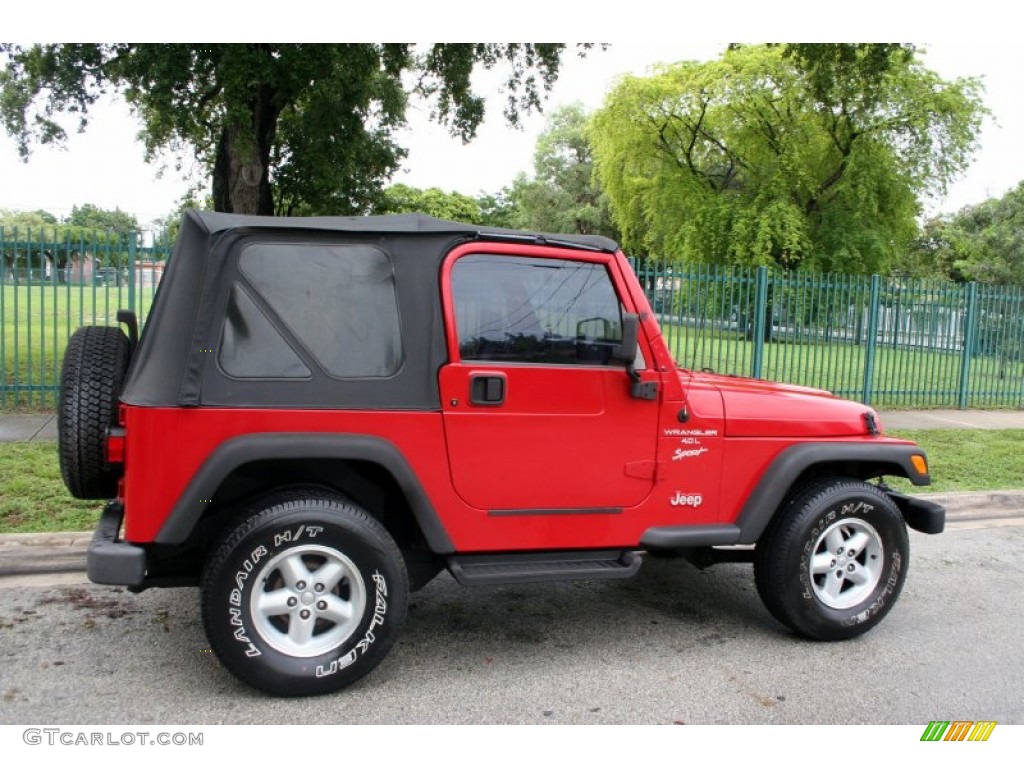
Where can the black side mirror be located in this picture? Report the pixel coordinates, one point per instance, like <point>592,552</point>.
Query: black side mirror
<point>625,352</point>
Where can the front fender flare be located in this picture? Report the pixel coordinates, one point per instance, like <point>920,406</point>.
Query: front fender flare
<point>775,483</point>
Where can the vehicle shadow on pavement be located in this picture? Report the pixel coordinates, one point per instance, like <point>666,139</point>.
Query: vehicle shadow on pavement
<point>667,597</point>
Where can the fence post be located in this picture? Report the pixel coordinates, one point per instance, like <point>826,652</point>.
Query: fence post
<point>3,320</point>
<point>968,348</point>
<point>760,310</point>
<point>872,340</point>
<point>131,270</point>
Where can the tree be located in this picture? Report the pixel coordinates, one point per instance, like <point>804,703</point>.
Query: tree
<point>11,220</point>
<point>846,72</point>
<point>453,206</point>
<point>786,156</point>
<point>89,216</point>
<point>934,252</point>
<point>282,129</point>
<point>563,195</point>
<point>983,242</point>
<point>497,210</point>
<point>25,236</point>
<point>166,228</point>
<point>17,227</point>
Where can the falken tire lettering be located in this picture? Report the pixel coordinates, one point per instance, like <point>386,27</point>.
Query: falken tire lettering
<point>380,608</point>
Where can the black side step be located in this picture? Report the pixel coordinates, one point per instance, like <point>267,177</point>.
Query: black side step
<point>521,568</point>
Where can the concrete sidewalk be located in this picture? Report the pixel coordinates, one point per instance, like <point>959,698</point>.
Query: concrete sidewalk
<point>20,428</point>
<point>25,427</point>
<point>949,419</point>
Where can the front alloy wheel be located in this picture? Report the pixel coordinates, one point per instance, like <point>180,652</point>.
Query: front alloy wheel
<point>846,563</point>
<point>833,561</point>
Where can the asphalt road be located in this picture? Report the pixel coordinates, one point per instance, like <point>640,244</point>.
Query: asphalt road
<point>673,645</point>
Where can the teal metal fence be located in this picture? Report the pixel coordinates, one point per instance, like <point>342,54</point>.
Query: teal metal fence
<point>53,280</point>
<point>890,342</point>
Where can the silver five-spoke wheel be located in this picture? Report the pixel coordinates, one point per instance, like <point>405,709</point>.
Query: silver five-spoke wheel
<point>308,600</point>
<point>305,594</point>
<point>847,563</point>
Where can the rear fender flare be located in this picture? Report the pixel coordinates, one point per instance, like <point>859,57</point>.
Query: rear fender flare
<point>234,453</point>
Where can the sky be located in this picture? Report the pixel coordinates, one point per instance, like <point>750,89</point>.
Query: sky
<point>105,165</point>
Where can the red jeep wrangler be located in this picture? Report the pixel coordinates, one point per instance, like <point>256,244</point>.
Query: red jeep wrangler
<point>322,413</point>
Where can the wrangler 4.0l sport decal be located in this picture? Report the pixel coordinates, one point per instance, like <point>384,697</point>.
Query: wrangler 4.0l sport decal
<point>688,453</point>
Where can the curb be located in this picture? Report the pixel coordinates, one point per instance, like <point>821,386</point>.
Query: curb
<point>23,554</point>
<point>27,554</point>
<point>978,505</point>
<point>970,509</point>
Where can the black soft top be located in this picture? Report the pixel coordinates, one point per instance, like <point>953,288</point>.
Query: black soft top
<point>176,363</point>
<point>397,224</point>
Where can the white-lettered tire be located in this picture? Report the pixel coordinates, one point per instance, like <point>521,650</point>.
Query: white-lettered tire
<point>833,562</point>
<point>304,597</point>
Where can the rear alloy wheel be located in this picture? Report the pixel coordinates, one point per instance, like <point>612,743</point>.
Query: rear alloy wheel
<point>833,562</point>
<point>307,600</point>
<point>92,375</point>
<point>306,596</point>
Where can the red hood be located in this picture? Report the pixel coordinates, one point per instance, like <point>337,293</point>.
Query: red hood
<point>757,408</point>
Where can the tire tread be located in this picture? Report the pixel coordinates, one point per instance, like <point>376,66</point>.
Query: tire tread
<point>92,375</point>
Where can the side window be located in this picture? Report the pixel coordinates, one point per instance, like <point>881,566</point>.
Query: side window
<point>338,301</point>
<point>251,348</point>
<point>531,310</point>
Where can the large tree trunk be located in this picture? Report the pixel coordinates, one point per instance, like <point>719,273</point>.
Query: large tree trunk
<point>241,171</point>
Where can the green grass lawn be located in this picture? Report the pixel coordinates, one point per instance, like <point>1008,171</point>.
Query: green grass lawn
<point>33,497</point>
<point>970,459</point>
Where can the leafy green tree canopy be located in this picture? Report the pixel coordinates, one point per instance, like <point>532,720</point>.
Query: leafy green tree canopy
<point>86,221</point>
<point>89,230</point>
<point>983,242</point>
<point>283,129</point>
<point>563,195</point>
<point>11,220</point>
<point>497,210</point>
<point>453,206</point>
<point>793,156</point>
<point>90,216</point>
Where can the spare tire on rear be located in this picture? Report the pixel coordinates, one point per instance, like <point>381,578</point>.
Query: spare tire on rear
<point>91,378</point>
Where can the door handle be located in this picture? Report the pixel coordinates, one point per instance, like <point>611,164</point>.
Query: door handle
<point>487,389</point>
